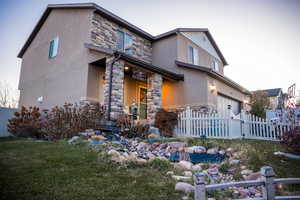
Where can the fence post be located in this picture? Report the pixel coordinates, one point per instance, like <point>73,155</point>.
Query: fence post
<point>188,121</point>
<point>269,188</point>
<point>200,193</point>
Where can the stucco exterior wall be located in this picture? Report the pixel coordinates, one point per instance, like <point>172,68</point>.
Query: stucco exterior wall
<point>104,34</point>
<point>205,59</point>
<point>225,90</point>
<point>62,78</point>
<point>164,53</point>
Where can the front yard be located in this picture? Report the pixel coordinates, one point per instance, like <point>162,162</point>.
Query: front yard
<point>56,170</point>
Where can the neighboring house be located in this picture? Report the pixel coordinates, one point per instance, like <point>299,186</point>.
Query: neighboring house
<point>73,47</point>
<point>277,98</point>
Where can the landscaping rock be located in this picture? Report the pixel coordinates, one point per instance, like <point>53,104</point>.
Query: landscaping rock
<point>185,165</point>
<point>246,172</point>
<point>181,178</point>
<point>196,168</point>
<point>170,173</point>
<point>177,145</point>
<point>195,149</point>
<point>213,150</point>
<point>188,173</point>
<point>222,152</point>
<point>184,187</point>
<point>113,153</point>
<point>253,176</point>
<point>73,139</point>
<point>234,162</point>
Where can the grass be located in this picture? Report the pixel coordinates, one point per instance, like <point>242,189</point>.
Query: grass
<point>46,170</point>
<point>55,170</point>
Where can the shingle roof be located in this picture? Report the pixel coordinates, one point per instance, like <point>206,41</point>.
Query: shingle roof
<point>272,92</point>
<point>115,19</point>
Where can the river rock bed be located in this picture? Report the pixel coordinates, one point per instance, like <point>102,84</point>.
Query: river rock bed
<point>139,151</point>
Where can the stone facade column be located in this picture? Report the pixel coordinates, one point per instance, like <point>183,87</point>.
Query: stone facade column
<point>154,91</point>
<point>117,87</point>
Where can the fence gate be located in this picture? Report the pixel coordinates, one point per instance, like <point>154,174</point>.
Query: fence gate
<point>193,123</point>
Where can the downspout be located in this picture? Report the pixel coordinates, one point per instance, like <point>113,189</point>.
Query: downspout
<point>110,85</point>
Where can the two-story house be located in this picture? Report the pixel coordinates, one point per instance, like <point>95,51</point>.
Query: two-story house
<point>276,97</point>
<point>82,52</point>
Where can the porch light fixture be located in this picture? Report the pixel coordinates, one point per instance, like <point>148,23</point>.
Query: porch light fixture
<point>126,68</point>
<point>212,88</point>
<point>246,101</point>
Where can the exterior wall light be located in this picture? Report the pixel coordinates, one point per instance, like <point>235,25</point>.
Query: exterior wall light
<point>212,88</point>
<point>126,68</point>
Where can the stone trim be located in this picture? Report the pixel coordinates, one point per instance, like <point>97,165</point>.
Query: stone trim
<point>154,94</point>
<point>117,87</point>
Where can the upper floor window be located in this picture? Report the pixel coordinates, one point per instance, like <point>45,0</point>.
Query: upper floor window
<point>53,48</point>
<point>193,56</point>
<point>215,66</point>
<point>124,42</point>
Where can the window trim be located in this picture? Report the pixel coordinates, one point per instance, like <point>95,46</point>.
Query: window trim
<point>125,49</point>
<point>53,48</point>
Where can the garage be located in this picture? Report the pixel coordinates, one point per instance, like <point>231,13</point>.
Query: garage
<point>224,102</point>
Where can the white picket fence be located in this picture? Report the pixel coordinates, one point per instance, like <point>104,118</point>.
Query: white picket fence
<point>192,123</point>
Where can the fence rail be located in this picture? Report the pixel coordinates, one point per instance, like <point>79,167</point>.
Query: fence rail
<point>192,123</point>
<point>267,183</point>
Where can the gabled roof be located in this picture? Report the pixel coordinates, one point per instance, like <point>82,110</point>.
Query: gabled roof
<point>109,15</point>
<point>214,74</point>
<point>205,30</point>
<point>273,92</point>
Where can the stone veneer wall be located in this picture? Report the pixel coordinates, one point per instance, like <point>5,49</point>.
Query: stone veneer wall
<point>117,87</point>
<point>154,92</point>
<point>104,34</point>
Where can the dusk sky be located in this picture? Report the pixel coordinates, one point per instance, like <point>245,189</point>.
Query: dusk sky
<point>260,39</point>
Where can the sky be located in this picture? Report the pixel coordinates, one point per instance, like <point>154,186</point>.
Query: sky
<point>260,39</point>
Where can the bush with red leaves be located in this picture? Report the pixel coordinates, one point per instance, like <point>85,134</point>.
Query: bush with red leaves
<point>166,122</point>
<point>291,140</point>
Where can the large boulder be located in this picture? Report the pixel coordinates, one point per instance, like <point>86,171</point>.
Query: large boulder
<point>214,150</point>
<point>195,149</point>
<point>185,165</point>
<point>184,187</point>
<point>177,145</point>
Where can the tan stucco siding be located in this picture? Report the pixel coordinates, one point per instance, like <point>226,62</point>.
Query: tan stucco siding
<point>165,53</point>
<point>62,78</point>
<point>191,91</point>
<point>205,59</point>
<point>224,89</point>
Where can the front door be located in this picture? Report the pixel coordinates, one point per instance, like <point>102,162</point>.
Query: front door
<point>142,101</point>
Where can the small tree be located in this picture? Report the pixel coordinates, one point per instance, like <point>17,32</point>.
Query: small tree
<point>8,97</point>
<point>259,103</point>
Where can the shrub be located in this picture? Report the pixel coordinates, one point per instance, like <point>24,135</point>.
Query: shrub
<point>291,140</point>
<point>69,120</point>
<point>130,128</point>
<point>166,122</point>
<point>26,123</point>
<point>60,122</point>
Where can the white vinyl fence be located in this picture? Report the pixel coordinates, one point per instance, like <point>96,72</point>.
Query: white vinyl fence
<point>192,123</point>
<point>5,114</point>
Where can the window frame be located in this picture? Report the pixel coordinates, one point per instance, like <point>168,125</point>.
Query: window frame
<point>122,43</point>
<point>216,66</point>
<point>53,48</point>
<point>193,55</point>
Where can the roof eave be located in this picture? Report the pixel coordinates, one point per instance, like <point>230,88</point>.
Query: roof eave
<point>215,75</point>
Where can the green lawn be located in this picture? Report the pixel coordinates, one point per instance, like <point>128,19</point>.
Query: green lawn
<point>55,170</point>
<point>46,170</point>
